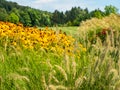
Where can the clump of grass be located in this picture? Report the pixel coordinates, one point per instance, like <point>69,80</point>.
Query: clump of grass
<point>104,56</point>
<point>65,75</point>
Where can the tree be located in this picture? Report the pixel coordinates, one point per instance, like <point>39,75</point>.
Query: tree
<point>25,18</point>
<point>3,14</point>
<point>58,17</point>
<point>73,14</point>
<point>16,11</point>
<point>34,17</point>
<point>13,18</point>
<point>45,20</point>
<point>97,13</point>
<point>110,9</point>
<point>87,14</point>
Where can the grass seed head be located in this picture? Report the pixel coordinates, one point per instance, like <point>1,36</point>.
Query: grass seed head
<point>62,71</point>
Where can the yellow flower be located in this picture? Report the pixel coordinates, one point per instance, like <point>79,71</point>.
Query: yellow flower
<point>84,49</point>
<point>32,37</point>
<point>14,43</point>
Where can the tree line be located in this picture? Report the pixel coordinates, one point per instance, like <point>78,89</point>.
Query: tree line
<point>12,12</point>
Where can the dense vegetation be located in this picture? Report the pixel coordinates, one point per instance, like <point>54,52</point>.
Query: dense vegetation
<point>12,12</point>
<point>88,61</point>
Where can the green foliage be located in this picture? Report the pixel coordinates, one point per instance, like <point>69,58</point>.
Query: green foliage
<point>13,18</point>
<point>58,17</point>
<point>35,17</point>
<point>110,9</point>
<point>97,13</point>
<point>69,23</point>
<point>76,15</point>
<point>45,19</point>
<point>25,19</point>
<point>3,14</point>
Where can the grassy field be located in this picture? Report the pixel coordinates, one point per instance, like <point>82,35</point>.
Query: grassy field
<point>69,30</point>
<point>32,59</point>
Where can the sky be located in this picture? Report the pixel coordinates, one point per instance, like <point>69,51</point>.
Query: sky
<point>63,5</point>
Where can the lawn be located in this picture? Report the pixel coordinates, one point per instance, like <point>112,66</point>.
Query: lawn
<point>69,30</point>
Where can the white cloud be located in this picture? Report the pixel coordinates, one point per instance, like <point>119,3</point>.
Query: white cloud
<point>43,1</point>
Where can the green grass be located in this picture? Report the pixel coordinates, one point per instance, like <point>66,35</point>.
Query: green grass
<point>26,69</point>
<point>69,30</point>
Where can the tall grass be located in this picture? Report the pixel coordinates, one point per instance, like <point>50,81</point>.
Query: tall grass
<point>104,54</point>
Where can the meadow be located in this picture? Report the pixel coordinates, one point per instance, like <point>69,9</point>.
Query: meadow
<point>70,30</point>
<point>84,58</point>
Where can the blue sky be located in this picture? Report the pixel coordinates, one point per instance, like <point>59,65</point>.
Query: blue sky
<point>63,5</point>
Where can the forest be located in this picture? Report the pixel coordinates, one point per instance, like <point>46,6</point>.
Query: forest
<point>12,12</point>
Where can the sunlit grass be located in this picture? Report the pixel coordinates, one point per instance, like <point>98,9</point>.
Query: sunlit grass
<point>69,30</point>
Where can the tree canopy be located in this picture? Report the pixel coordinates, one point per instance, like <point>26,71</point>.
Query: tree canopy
<point>12,12</point>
